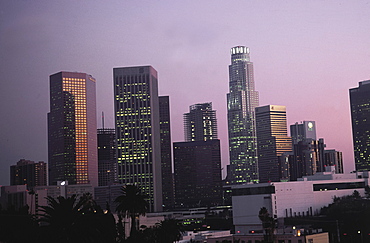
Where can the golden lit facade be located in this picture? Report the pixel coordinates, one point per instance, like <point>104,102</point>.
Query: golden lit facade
<point>72,129</point>
<point>272,140</point>
<point>138,131</point>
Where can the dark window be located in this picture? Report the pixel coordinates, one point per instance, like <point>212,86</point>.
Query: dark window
<point>338,186</point>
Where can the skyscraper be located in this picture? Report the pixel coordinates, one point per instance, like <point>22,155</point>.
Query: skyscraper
<point>308,158</point>
<point>197,173</point>
<point>27,172</point>
<point>200,123</point>
<point>242,100</point>
<point>107,165</point>
<point>72,140</point>
<point>272,140</point>
<point>334,158</point>
<point>302,131</point>
<point>138,130</point>
<point>166,152</point>
<point>360,113</point>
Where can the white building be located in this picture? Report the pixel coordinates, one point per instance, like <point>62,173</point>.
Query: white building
<point>289,199</point>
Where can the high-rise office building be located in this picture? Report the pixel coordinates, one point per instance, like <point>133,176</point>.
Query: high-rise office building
<point>242,100</point>
<point>27,172</point>
<point>360,113</point>
<point>166,153</point>
<point>200,124</point>
<point>272,140</point>
<point>107,164</point>
<point>197,173</point>
<point>72,140</point>
<point>334,158</point>
<point>138,131</point>
<point>302,131</point>
<point>308,158</point>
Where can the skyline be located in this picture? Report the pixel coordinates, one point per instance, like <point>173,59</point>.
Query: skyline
<point>306,57</point>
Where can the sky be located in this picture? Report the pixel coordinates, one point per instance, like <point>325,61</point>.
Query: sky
<point>306,55</point>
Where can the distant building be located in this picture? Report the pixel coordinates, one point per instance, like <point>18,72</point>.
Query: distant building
<point>27,172</point>
<point>334,158</point>
<point>291,199</point>
<point>137,124</point>
<point>200,123</point>
<point>18,197</point>
<point>107,163</point>
<point>272,140</point>
<point>302,131</point>
<point>360,113</point>
<point>308,158</point>
<point>63,189</point>
<point>72,140</point>
<point>197,173</point>
<point>166,153</point>
<point>105,196</point>
<point>242,100</point>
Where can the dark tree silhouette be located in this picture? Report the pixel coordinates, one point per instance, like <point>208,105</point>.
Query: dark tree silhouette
<point>132,203</point>
<point>168,231</point>
<point>17,225</point>
<point>72,220</point>
<point>268,225</point>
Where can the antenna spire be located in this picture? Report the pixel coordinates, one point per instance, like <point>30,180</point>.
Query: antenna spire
<point>102,118</point>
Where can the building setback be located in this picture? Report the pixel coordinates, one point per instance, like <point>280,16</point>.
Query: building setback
<point>136,108</point>
<point>200,124</point>
<point>242,100</point>
<point>72,140</point>
<point>360,114</point>
<point>272,140</point>
<point>197,173</point>
<point>166,153</point>
<point>27,172</point>
<point>107,165</point>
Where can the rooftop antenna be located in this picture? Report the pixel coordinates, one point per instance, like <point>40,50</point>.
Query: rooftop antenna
<point>102,118</point>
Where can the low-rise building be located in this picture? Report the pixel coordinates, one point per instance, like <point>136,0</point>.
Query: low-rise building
<point>289,199</point>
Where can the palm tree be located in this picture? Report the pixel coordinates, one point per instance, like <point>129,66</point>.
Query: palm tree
<point>169,230</point>
<point>72,220</point>
<point>132,203</point>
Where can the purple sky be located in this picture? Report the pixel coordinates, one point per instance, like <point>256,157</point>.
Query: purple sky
<point>306,55</point>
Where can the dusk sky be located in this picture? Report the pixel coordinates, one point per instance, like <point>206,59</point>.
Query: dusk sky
<point>306,55</point>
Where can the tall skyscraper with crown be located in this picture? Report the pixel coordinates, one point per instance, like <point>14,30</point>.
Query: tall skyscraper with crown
<point>242,100</point>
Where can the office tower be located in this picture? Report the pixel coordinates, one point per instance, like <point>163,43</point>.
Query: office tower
<point>360,113</point>
<point>308,158</point>
<point>166,153</point>
<point>200,124</point>
<point>27,172</point>
<point>72,128</point>
<point>272,140</point>
<point>334,158</point>
<point>197,173</point>
<point>107,165</point>
<point>302,131</point>
<point>242,100</point>
<point>138,131</point>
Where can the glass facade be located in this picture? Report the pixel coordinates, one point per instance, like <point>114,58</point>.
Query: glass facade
<point>138,130</point>
<point>72,129</point>
<point>166,153</point>
<point>200,124</point>
<point>360,113</point>
<point>242,100</point>
<point>272,140</point>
